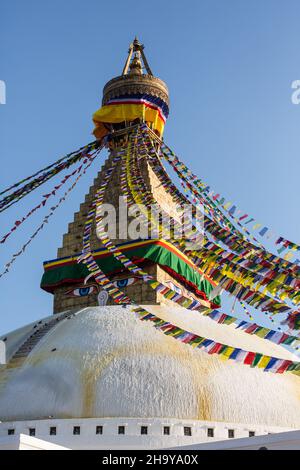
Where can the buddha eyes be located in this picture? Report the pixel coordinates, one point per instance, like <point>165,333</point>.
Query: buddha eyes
<point>121,283</point>
<point>82,291</point>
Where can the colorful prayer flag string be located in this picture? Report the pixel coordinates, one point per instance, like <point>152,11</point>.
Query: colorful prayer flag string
<point>44,176</point>
<point>253,297</point>
<point>46,197</point>
<point>46,218</point>
<point>266,363</point>
<point>240,218</point>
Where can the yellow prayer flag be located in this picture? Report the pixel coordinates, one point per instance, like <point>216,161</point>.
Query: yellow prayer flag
<point>264,361</point>
<point>228,351</point>
<point>288,256</point>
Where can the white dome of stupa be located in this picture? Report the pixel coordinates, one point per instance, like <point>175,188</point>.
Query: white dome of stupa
<point>105,362</point>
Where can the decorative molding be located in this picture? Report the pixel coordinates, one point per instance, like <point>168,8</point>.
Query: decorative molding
<point>135,84</point>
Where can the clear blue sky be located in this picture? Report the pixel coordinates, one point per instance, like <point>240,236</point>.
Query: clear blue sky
<point>229,67</point>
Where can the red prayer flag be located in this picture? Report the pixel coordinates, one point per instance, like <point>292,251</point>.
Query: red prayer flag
<point>283,367</point>
<point>216,348</point>
<point>249,358</point>
<point>222,318</point>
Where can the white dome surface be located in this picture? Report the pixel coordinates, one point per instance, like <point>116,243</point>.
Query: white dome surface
<point>105,362</point>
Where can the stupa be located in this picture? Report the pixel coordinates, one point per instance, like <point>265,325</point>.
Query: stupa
<point>126,359</point>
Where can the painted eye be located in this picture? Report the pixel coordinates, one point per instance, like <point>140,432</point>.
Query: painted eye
<point>121,283</point>
<point>82,291</point>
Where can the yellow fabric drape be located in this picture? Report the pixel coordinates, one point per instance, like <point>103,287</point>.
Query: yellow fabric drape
<point>115,113</point>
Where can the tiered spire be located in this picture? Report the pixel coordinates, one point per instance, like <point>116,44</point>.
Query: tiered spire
<point>133,64</point>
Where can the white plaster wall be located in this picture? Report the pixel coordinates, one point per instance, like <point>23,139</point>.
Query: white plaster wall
<point>132,439</point>
<point>108,363</point>
<point>227,334</point>
<point>287,440</point>
<point>24,442</point>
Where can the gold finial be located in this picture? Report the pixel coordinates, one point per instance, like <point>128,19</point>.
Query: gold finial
<point>137,44</point>
<point>135,67</point>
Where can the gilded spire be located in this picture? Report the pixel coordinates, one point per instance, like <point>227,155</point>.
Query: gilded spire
<point>136,67</point>
<point>136,60</point>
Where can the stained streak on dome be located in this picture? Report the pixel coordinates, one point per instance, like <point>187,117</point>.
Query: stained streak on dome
<point>108,364</point>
